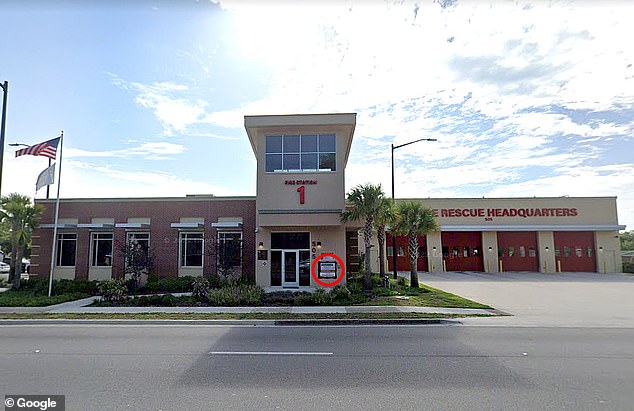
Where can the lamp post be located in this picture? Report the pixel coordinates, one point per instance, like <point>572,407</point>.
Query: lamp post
<point>394,199</point>
<point>5,90</point>
<point>48,187</point>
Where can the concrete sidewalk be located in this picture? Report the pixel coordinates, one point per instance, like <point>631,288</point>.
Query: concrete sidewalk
<point>82,306</point>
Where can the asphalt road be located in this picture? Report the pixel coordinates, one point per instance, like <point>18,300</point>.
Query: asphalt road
<point>142,367</point>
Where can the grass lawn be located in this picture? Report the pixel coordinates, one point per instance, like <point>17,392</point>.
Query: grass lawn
<point>424,296</point>
<point>230,316</point>
<point>25,298</point>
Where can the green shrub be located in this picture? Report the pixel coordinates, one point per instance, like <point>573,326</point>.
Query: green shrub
<point>113,290</point>
<point>40,287</point>
<point>244,294</point>
<point>200,289</point>
<point>165,300</point>
<point>340,295</point>
<point>281,298</point>
<point>401,282</point>
<point>170,285</point>
<point>319,297</point>
<point>628,267</point>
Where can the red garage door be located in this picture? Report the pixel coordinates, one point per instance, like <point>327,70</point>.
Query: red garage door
<point>462,250</point>
<point>518,250</point>
<point>575,250</point>
<point>402,258</point>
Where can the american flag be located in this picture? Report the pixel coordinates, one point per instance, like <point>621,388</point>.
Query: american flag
<point>46,149</point>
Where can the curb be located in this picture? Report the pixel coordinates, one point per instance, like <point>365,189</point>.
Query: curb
<point>368,321</point>
<point>281,323</point>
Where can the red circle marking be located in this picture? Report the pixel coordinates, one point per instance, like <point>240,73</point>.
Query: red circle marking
<point>336,257</point>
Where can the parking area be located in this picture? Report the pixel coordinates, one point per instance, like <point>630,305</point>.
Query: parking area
<point>535,299</point>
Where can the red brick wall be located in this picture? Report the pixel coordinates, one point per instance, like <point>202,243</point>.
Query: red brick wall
<point>163,238</point>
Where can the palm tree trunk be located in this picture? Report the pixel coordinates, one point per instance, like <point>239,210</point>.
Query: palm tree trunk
<point>367,239</point>
<point>412,248</point>
<point>380,235</point>
<point>18,269</point>
<point>12,269</point>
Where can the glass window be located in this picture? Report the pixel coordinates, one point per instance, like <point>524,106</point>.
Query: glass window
<point>290,144</point>
<point>445,251</point>
<point>273,162</point>
<point>589,252</point>
<point>191,249</point>
<point>579,252</point>
<point>466,252</point>
<point>522,251</point>
<point>229,251</point>
<point>309,143</point>
<point>296,153</point>
<point>532,252</point>
<point>66,250</point>
<point>557,251</point>
<point>421,251</point>
<point>454,252</point>
<point>566,251</point>
<point>140,242</point>
<point>327,161</point>
<point>291,162</point>
<point>401,252</point>
<point>476,251</point>
<point>309,162</point>
<point>390,251</point>
<point>327,143</point>
<point>273,144</point>
<point>511,251</point>
<point>101,250</point>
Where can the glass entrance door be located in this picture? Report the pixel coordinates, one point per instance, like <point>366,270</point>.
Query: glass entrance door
<point>290,268</point>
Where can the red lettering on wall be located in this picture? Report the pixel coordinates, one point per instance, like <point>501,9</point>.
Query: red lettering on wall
<point>301,190</point>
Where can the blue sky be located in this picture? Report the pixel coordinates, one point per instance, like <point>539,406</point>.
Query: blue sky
<point>525,98</point>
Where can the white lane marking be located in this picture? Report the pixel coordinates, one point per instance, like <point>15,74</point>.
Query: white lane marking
<point>267,353</point>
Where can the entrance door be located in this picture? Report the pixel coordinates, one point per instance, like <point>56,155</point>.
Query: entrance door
<point>290,268</point>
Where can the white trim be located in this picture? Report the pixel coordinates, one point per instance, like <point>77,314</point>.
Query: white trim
<point>132,225</point>
<point>531,227</point>
<point>63,225</point>
<point>96,225</point>
<point>227,224</point>
<point>188,225</point>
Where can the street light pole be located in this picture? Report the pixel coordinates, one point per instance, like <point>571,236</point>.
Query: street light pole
<point>5,90</point>
<point>394,252</point>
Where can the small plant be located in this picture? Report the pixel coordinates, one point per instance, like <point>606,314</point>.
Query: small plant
<point>401,282</point>
<point>244,294</point>
<point>113,290</point>
<point>200,289</point>
<point>340,295</point>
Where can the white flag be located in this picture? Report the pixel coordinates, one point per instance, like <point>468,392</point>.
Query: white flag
<point>46,177</point>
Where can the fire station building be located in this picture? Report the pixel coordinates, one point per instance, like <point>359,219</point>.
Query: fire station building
<point>290,234</point>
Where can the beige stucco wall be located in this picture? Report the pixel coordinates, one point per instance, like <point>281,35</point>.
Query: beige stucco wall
<point>490,252</point>
<point>278,200</point>
<point>190,271</point>
<point>333,240</point>
<point>64,273</point>
<point>100,273</point>
<point>608,252</point>
<point>546,252</point>
<point>490,212</point>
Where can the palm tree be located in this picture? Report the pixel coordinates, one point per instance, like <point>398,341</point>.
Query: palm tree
<point>385,217</point>
<point>21,216</point>
<point>364,204</point>
<point>412,219</point>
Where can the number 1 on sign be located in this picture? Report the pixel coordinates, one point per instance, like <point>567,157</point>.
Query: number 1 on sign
<point>301,190</point>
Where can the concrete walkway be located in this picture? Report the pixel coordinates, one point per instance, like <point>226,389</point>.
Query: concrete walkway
<point>81,306</point>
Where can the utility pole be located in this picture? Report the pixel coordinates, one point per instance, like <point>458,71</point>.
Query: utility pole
<point>5,89</point>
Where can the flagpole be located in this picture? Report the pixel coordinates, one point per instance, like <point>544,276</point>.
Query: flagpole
<point>59,183</point>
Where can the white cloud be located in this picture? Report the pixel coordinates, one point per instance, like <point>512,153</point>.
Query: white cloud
<point>149,151</point>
